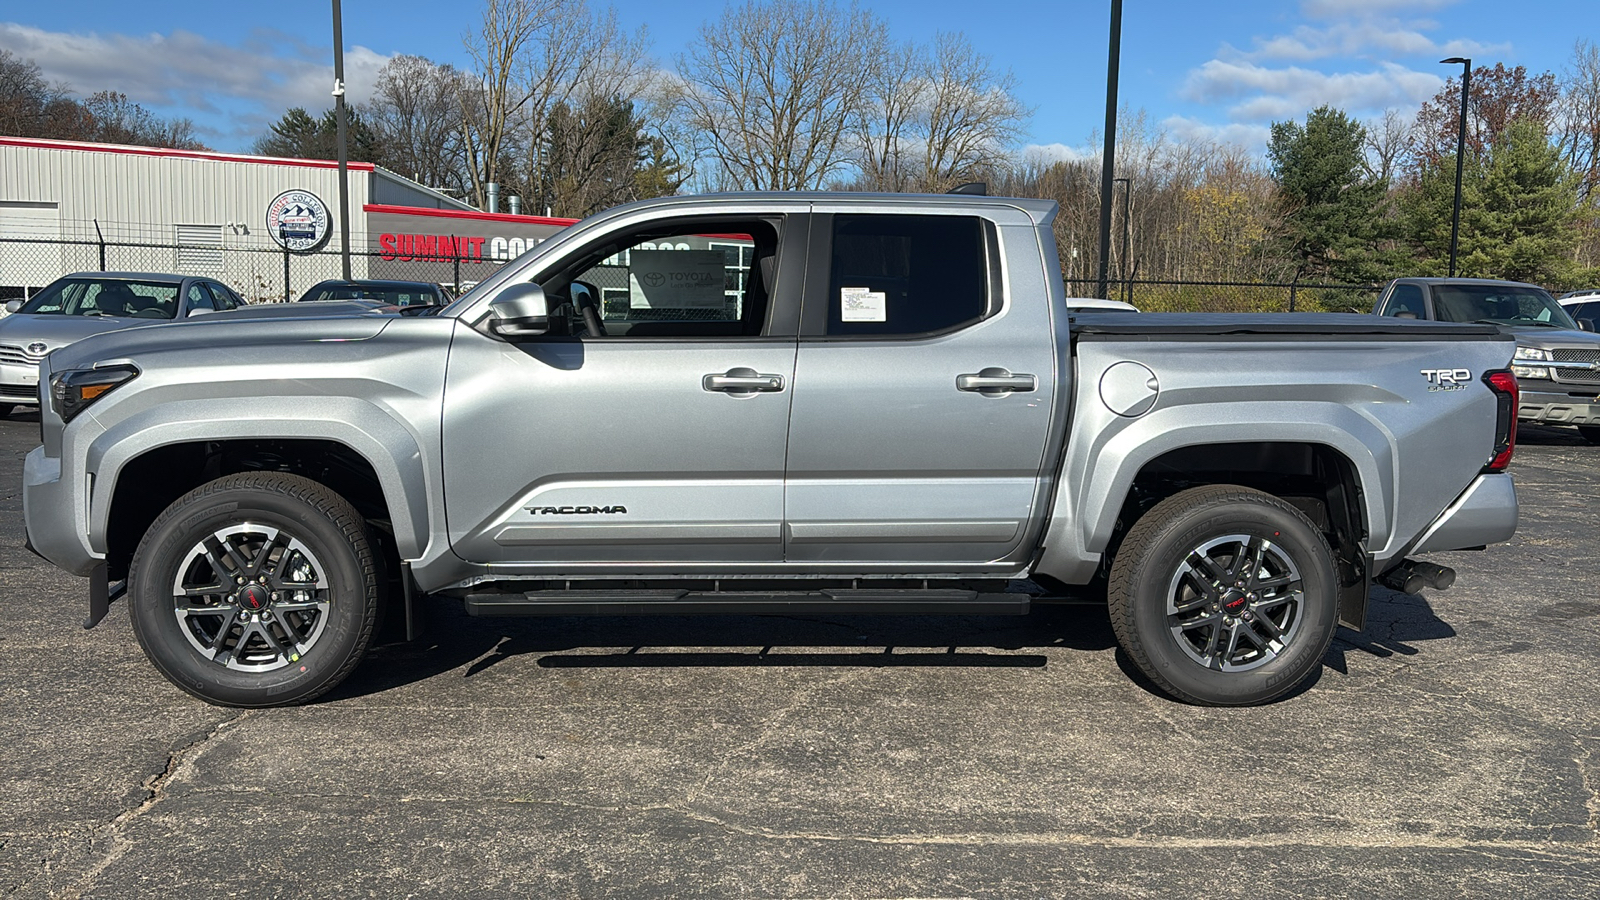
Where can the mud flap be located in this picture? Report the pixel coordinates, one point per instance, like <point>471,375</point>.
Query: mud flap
<point>1355,582</point>
<point>413,614</point>
<point>99,595</point>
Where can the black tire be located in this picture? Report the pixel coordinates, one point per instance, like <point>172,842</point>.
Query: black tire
<point>1175,618</point>
<point>1591,433</point>
<point>318,574</point>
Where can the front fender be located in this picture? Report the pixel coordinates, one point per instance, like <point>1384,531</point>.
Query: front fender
<point>392,450</point>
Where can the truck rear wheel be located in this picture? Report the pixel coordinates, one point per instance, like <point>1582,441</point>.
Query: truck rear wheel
<point>1224,596</point>
<point>257,589</point>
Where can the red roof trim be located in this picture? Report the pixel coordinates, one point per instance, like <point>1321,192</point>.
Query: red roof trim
<point>466,214</point>
<point>44,144</point>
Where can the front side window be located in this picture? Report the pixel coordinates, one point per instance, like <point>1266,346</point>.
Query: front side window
<point>906,275</point>
<point>106,297</point>
<point>710,280</point>
<point>199,297</point>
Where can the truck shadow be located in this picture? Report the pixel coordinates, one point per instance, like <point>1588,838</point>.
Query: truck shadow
<point>453,641</point>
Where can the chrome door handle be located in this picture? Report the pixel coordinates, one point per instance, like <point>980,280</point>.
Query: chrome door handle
<point>994,381</point>
<point>742,381</point>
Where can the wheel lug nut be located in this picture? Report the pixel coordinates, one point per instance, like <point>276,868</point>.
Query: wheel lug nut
<point>274,595</point>
<point>240,579</point>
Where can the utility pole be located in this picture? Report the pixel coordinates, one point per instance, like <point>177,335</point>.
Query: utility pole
<point>1461,154</point>
<point>1108,156</point>
<point>339,115</point>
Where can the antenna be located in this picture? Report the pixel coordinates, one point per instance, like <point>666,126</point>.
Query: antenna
<point>981,188</point>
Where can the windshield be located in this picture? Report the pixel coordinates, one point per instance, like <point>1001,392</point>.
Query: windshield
<point>393,296</point>
<point>1499,305</point>
<point>105,297</point>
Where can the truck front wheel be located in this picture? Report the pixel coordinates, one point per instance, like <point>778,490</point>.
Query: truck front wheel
<point>257,589</point>
<point>1224,596</point>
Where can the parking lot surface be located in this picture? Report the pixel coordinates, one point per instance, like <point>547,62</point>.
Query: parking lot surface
<point>1451,750</point>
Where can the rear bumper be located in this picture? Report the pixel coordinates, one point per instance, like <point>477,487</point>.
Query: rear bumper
<point>1549,407</point>
<point>1486,513</point>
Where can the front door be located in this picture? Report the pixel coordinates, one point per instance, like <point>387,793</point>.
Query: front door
<point>923,397</point>
<point>647,432</point>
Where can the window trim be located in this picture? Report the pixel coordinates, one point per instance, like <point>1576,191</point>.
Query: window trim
<point>819,277</point>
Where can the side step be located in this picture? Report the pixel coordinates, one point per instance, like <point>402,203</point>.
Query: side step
<point>686,603</point>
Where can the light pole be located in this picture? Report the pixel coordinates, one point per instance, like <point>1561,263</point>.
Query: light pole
<point>1127,230</point>
<point>1461,153</point>
<point>1108,156</point>
<point>339,116</point>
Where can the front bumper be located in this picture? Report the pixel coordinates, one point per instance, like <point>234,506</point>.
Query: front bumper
<point>54,517</point>
<point>1546,403</point>
<point>19,384</point>
<point>1485,513</point>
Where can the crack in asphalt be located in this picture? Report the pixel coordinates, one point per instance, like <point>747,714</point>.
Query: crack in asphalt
<point>155,790</point>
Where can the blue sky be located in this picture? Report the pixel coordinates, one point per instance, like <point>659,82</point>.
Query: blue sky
<point>1225,68</point>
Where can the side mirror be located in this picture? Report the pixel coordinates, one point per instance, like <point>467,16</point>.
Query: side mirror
<point>13,305</point>
<point>1586,324</point>
<point>521,310</point>
<point>199,311</point>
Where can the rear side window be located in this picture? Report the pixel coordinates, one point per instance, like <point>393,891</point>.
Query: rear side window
<point>1405,302</point>
<point>906,275</point>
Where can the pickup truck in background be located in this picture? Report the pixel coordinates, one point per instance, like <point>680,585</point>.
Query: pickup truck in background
<point>1557,362</point>
<point>751,403</point>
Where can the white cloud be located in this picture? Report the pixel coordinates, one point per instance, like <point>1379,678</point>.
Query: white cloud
<point>1328,9</point>
<point>1251,137</point>
<point>1366,39</point>
<point>188,74</point>
<point>1054,153</point>
<point>1268,93</point>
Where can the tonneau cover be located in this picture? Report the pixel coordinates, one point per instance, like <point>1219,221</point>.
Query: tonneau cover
<point>1329,326</point>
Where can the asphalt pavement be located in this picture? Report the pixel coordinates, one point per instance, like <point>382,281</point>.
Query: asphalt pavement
<point>1450,750</point>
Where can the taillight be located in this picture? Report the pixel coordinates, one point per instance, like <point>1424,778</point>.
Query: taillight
<point>1504,385</point>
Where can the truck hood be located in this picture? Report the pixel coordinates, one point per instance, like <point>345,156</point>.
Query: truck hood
<point>303,309</point>
<point>57,331</point>
<point>254,337</point>
<point>1548,338</point>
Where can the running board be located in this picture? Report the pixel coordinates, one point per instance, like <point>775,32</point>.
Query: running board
<point>685,603</point>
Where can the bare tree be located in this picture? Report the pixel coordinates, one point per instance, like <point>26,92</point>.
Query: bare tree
<point>893,101</point>
<point>775,90</point>
<point>973,116</point>
<point>416,114</point>
<point>1389,144</point>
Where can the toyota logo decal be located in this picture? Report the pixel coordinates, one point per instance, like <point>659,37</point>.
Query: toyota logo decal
<point>38,348</point>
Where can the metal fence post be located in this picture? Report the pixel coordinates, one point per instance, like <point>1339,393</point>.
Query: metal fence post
<point>102,238</point>
<point>455,245</point>
<point>286,274</point>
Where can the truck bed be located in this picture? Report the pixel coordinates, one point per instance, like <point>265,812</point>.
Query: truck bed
<point>1316,326</point>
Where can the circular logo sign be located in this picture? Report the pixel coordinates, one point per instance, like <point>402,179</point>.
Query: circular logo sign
<point>38,348</point>
<point>298,220</point>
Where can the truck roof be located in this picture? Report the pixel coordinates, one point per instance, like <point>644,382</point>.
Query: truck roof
<point>1039,210</point>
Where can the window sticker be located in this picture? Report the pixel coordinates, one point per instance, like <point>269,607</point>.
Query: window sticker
<point>859,304</point>
<point>676,279</point>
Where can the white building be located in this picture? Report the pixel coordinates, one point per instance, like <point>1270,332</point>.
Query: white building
<point>67,206</point>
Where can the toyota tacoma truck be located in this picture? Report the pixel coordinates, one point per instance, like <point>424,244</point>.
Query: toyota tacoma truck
<point>1557,364</point>
<point>760,403</point>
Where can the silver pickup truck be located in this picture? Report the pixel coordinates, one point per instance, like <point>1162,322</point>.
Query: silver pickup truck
<point>837,403</point>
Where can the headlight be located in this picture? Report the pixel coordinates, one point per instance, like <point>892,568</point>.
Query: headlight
<point>1531,353</point>
<point>72,391</point>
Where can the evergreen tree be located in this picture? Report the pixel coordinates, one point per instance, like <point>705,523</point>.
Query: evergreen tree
<point>299,136</point>
<point>1332,207</point>
<point>1518,209</point>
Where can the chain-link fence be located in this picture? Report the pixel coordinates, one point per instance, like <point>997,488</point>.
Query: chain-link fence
<point>258,274</point>
<point>1233,296</point>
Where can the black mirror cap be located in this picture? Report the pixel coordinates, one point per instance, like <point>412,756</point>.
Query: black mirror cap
<point>1586,324</point>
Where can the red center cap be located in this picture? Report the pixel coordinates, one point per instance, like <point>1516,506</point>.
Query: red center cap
<point>254,597</point>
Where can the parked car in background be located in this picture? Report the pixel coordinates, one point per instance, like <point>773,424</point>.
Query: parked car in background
<point>389,293</point>
<point>85,303</point>
<point>1584,308</point>
<point>1557,363</point>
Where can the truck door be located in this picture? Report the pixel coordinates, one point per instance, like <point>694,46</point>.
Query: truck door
<point>646,432</point>
<point>923,394</point>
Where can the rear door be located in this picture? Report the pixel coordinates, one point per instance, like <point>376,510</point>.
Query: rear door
<point>923,394</point>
